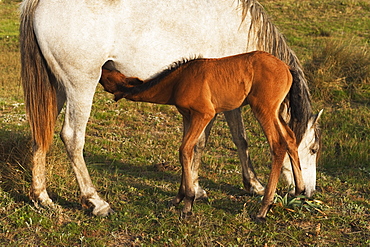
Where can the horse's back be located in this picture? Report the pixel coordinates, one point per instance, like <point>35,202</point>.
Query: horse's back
<point>141,38</point>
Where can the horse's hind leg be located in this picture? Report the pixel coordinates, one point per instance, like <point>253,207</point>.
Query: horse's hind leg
<point>38,192</point>
<point>78,107</point>
<point>237,129</point>
<point>38,188</point>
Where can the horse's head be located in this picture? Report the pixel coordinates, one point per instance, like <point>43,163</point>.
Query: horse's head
<point>308,151</point>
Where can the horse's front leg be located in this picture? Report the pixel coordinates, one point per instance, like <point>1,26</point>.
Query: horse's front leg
<point>196,126</point>
<point>78,107</point>
<point>237,129</point>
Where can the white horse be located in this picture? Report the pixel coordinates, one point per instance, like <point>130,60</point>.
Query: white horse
<point>64,45</point>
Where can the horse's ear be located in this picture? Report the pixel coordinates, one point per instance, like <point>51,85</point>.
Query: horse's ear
<point>317,117</point>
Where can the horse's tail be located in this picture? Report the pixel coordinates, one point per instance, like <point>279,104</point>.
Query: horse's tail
<point>39,93</point>
<point>298,99</point>
<point>263,35</point>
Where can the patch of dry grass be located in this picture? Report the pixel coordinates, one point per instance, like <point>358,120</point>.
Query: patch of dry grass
<point>339,72</point>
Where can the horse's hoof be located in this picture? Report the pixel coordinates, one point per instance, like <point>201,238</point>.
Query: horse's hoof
<point>100,207</point>
<point>260,220</point>
<point>186,215</point>
<point>103,211</point>
<point>43,204</point>
<point>260,191</point>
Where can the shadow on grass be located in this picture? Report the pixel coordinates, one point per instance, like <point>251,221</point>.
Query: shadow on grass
<point>15,171</point>
<point>14,163</point>
<point>150,179</point>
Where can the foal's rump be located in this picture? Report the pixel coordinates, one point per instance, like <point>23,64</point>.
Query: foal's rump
<point>271,77</point>
<point>255,76</point>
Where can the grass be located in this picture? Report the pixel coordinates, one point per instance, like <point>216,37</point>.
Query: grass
<point>131,152</point>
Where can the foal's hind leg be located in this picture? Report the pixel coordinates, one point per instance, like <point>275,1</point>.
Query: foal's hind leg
<point>281,141</point>
<point>78,107</point>
<point>237,129</point>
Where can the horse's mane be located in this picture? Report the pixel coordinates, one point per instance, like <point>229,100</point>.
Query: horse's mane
<point>269,39</point>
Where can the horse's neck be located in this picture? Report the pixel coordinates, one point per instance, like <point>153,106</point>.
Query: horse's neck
<point>160,93</point>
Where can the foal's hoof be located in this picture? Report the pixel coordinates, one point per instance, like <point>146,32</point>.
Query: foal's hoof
<point>201,194</point>
<point>173,203</point>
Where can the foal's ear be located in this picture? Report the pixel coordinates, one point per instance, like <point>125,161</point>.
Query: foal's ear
<point>118,95</point>
<point>117,76</point>
<point>133,81</point>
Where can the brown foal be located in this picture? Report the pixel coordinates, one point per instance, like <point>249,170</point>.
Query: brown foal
<point>201,88</point>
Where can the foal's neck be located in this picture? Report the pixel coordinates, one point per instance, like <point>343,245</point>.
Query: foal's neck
<point>160,93</point>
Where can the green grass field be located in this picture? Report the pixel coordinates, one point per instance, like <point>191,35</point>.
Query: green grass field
<point>131,153</point>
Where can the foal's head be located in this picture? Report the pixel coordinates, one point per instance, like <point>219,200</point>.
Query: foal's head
<point>115,82</point>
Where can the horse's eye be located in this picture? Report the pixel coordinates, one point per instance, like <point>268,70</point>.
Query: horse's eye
<point>314,150</point>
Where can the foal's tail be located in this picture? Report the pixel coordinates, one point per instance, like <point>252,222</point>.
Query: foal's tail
<point>39,91</point>
<point>299,100</point>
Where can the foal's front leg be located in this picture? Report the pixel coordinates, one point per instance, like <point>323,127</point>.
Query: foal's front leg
<point>200,193</point>
<point>196,123</point>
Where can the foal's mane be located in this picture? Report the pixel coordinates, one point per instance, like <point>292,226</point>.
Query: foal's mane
<point>173,67</point>
<point>157,78</point>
